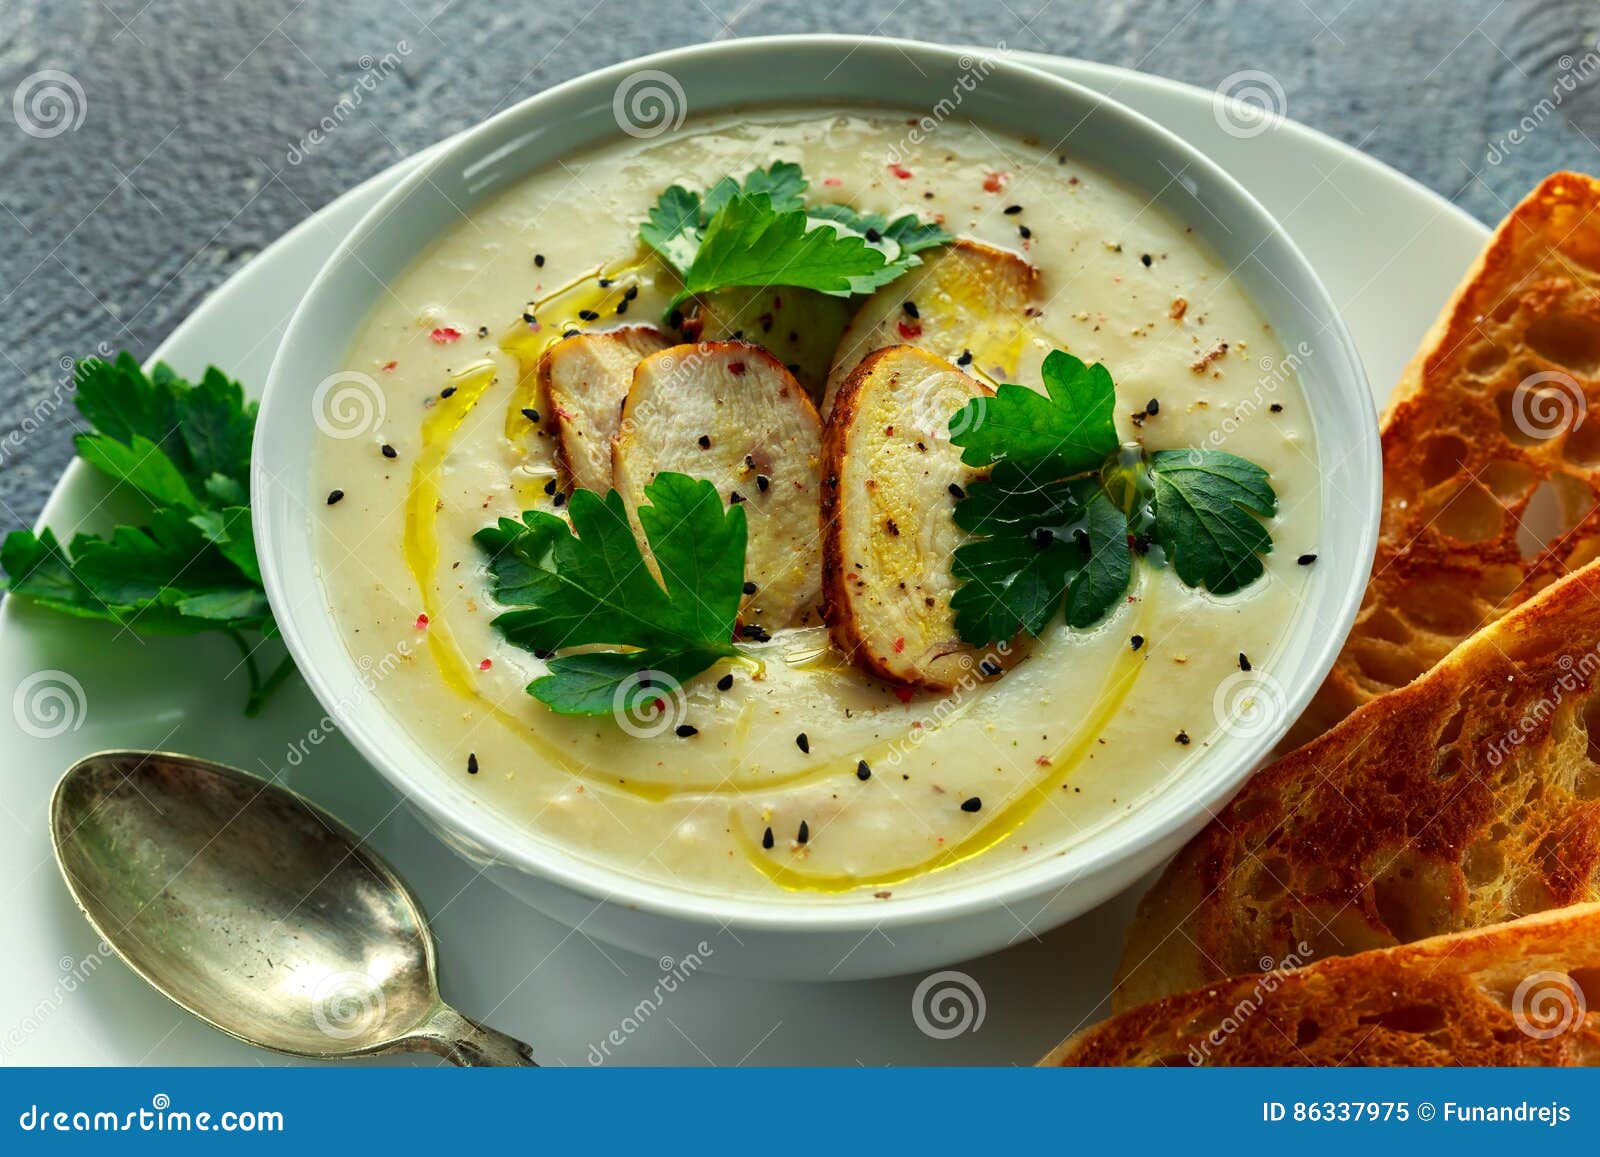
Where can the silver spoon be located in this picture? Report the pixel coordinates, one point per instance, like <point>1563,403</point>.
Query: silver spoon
<point>256,911</point>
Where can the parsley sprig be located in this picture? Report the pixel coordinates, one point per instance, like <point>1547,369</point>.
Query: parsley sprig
<point>1066,505</point>
<point>587,584</point>
<point>184,449</point>
<point>760,232</point>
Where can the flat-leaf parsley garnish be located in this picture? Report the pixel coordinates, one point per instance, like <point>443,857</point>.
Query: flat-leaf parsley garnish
<point>587,585</point>
<point>191,566</point>
<point>1065,506</point>
<point>760,232</point>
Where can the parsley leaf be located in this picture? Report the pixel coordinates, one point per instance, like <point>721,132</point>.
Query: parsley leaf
<point>1071,423</point>
<point>1044,542</point>
<point>829,248</point>
<point>679,216</point>
<point>192,566</point>
<point>750,243</point>
<point>1206,508</point>
<point>1052,523</point>
<point>587,584</point>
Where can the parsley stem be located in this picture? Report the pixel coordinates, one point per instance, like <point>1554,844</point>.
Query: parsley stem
<point>260,691</point>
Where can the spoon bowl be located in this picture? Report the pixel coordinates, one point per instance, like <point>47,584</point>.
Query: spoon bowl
<point>256,911</point>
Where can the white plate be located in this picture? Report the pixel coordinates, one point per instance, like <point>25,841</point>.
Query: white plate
<point>1389,252</point>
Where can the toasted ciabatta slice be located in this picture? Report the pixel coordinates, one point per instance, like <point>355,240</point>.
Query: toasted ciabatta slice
<point>729,412</point>
<point>888,526</point>
<point>968,303</point>
<point>1491,473</point>
<point>799,327</point>
<point>1468,797</point>
<point>1523,993</point>
<point>583,381</point>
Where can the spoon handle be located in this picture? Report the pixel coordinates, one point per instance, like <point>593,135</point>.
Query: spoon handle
<point>463,1041</point>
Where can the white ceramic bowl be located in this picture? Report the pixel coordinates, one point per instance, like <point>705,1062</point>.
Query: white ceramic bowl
<point>835,940</point>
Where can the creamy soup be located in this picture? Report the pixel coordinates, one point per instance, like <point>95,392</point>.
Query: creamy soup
<point>1076,734</point>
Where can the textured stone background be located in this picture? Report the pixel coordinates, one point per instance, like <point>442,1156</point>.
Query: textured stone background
<point>178,172</point>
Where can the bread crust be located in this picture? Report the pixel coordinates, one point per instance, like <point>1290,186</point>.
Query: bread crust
<point>1484,442</point>
<point>1521,993</point>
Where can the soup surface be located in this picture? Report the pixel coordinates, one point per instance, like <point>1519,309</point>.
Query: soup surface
<point>428,439</point>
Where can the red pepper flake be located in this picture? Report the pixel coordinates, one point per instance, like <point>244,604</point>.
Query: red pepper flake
<point>486,664</point>
<point>909,330</point>
<point>736,369</point>
<point>388,367</point>
<point>899,644</point>
<point>994,182</point>
<point>832,182</point>
<point>903,694</point>
<point>444,335</point>
<point>422,622</point>
<point>900,171</point>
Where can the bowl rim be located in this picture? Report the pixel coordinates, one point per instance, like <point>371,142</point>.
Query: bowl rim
<point>498,838</point>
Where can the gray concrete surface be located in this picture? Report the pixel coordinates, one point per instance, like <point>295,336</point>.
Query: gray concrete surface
<point>118,224</point>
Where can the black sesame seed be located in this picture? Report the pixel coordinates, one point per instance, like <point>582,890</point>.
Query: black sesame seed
<point>1182,738</point>
<point>749,461</point>
<point>684,731</point>
<point>766,839</point>
<point>483,331</point>
<point>989,668</point>
<point>550,486</point>
<point>1136,642</point>
<point>965,359</point>
<point>472,763</point>
<point>763,483</point>
<point>559,499</point>
<point>803,743</point>
<point>1276,407</point>
<point>622,306</point>
<point>863,772</point>
<point>538,260</point>
<point>447,391</point>
<point>389,451</point>
<point>1306,559</point>
<point>571,333</point>
<point>1152,407</point>
<point>971,804</point>
<point>956,491</point>
<point>1244,661</point>
<point>734,497</point>
<point>531,414</point>
<point>705,441</point>
<point>1146,260</point>
<point>1024,231</point>
<point>630,293</point>
<point>605,283</point>
<point>911,308</point>
<point>725,682</point>
<point>874,236</point>
<point>755,632</point>
<point>803,836</point>
<point>749,588</point>
<point>588,315</point>
<point>334,496</point>
<point>1013,210</point>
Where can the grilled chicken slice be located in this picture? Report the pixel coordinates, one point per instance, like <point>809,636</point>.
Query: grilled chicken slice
<point>800,327</point>
<point>729,411</point>
<point>583,381</point>
<point>888,526</point>
<point>967,303</point>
